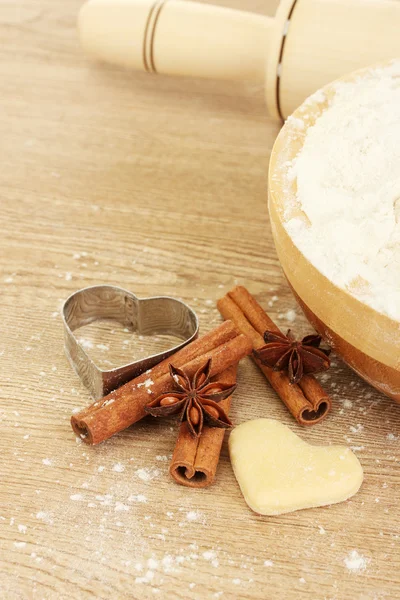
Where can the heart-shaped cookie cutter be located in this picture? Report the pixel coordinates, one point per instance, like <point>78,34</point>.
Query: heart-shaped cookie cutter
<point>158,315</point>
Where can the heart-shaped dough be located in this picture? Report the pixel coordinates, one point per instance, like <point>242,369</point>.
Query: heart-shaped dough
<point>279,473</point>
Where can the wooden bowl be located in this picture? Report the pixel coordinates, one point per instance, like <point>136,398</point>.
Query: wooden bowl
<point>367,340</point>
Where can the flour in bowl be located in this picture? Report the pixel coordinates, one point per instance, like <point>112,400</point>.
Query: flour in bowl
<point>348,185</point>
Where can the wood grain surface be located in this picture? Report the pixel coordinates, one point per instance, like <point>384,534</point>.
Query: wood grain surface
<point>158,185</point>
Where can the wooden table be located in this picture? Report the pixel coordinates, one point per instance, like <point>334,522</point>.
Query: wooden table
<point>158,185</point>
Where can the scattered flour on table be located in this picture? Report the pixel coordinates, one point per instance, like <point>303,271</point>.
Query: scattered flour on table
<point>209,555</point>
<point>152,563</point>
<point>355,563</point>
<point>76,497</point>
<point>357,448</point>
<point>289,316</point>
<point>138,498</point>
<point>120,506</point>
<point>147,474</point>
<point>43,516</point>
<point>357,429</point>
<point>347,178</point>
<point>118,468</point>
<point>268,563</point>
<point>147,578</point>
<point>103,347</point>
<point>86,344</point>
<point>105,500</point>
<point>193,515</point>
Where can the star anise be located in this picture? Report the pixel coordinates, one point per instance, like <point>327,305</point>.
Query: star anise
<point>283,352</point>
<point>195,399</point>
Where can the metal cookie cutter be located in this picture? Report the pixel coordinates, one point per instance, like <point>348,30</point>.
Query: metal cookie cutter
<point>146,316</point>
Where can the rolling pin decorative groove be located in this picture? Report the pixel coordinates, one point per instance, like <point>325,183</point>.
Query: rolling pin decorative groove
<point>149,34</point>
<point>306,45</point>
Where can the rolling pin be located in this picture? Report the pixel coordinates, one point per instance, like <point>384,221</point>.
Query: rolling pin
<point>307,44</point>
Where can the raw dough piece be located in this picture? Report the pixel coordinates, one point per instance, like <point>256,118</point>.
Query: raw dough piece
<point>279,473</point>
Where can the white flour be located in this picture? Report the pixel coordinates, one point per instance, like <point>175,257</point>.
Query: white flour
<point>348,186</point>
<point>355,563</point>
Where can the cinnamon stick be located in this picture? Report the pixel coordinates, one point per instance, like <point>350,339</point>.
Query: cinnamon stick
<point>125,406</point>
<point>194,461</point>
<point>307,401</point>
<point>217,336</point>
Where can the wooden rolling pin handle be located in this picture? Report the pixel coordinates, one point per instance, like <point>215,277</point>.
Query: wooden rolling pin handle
<point>176,37</point>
